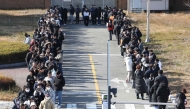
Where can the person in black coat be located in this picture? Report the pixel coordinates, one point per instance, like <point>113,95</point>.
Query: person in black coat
<point>140,86</point>
<point>162,78</point>
<point>25,95</point>
<point>150,83</point>
<point>99,14</point>
<point>162,93</point>
<point>30,81</point>
<point>59,83</point>
<point>149,71</point>
<point>77,14</point>
<point>65,11</point>
<point>153,91</point>
<point>181,99</point>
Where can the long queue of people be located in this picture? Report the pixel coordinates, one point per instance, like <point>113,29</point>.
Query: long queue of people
<point>144,69</point>
<point>44,61</point>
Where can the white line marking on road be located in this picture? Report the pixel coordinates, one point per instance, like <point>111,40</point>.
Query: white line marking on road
<point>148,107</point>
<point>127,91</point>
<point>91,106</point>
<point>113,106</point>
<point>129,106</point>
<point>71,106</point>
<point>116,80</point>
<point>92,54</point>
<point>78,93</point>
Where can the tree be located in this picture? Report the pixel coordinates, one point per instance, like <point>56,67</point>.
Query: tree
<point>187,3</point>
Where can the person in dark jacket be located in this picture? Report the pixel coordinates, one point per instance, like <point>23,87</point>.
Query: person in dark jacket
<point>25,95</point>
<point>181,99</point>
<point>59,83</point>
<point>148,72</point>
<point>153,91</point>
<point>30,81</point>
<point>162,93</point>
<point>150,83</point>
<point>99,14</point>
<point>162,78</point>
<point>77,14</point>
<point>105,16</point>
<point>65,15</point>
<point>140,86</point>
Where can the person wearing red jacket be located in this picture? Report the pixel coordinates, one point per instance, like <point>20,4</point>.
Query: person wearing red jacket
<point>110,28</point>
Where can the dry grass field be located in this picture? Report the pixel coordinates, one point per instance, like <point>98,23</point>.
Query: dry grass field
<point>170,37</point>
<point>14,23</point>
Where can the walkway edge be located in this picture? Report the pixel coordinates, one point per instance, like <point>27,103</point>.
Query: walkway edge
<point>3,66</point>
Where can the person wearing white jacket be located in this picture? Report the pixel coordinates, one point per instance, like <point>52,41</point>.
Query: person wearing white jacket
<point>129,68</point>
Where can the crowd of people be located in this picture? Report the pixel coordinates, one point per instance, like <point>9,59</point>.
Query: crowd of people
<point>144,69</point>
<point>44,61</point>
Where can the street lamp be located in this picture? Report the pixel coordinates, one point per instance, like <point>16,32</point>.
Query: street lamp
<point>148,22</point>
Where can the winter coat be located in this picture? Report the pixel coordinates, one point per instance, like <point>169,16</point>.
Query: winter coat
<point>162,93</point>
<point>59,82</point>
<point>153,92</point>
<point>180,99</point>
<point>47,104</point>
<point>128,64</point>
<point>140,86</point>
<point>149,83</point>
<point>148,72</point>
<point>161,79</point>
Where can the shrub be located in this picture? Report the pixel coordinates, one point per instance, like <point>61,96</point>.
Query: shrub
<point>12,52</point>
<point>6,83</point>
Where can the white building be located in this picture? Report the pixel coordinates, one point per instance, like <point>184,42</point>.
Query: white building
<point>155,5</point>
<point>88,3</point>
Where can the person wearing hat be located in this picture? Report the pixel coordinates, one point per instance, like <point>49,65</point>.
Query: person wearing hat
<point>59,83</point>
<point>33,105</point>
<point>47,103</point>
<point>59,59</point>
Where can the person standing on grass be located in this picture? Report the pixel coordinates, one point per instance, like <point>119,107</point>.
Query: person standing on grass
<point>72,11</point>
<point>86,17</point>
<point>181,99</point>
<point>77,14</point>
<point>59,83</point>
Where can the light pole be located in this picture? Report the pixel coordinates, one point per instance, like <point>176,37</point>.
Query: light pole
<point>128,6</point>
<point>148,22</point>
<point>108,73</point>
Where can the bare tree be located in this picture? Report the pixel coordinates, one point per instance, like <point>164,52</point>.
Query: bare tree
<point>187,3</point>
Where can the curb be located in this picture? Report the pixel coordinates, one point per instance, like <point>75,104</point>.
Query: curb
<point>13,65</point>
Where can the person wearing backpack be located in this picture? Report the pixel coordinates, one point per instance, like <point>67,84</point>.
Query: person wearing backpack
<point>110,28</point>
<point>181,99</point>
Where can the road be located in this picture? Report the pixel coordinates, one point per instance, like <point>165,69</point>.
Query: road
<point>85,69</point>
